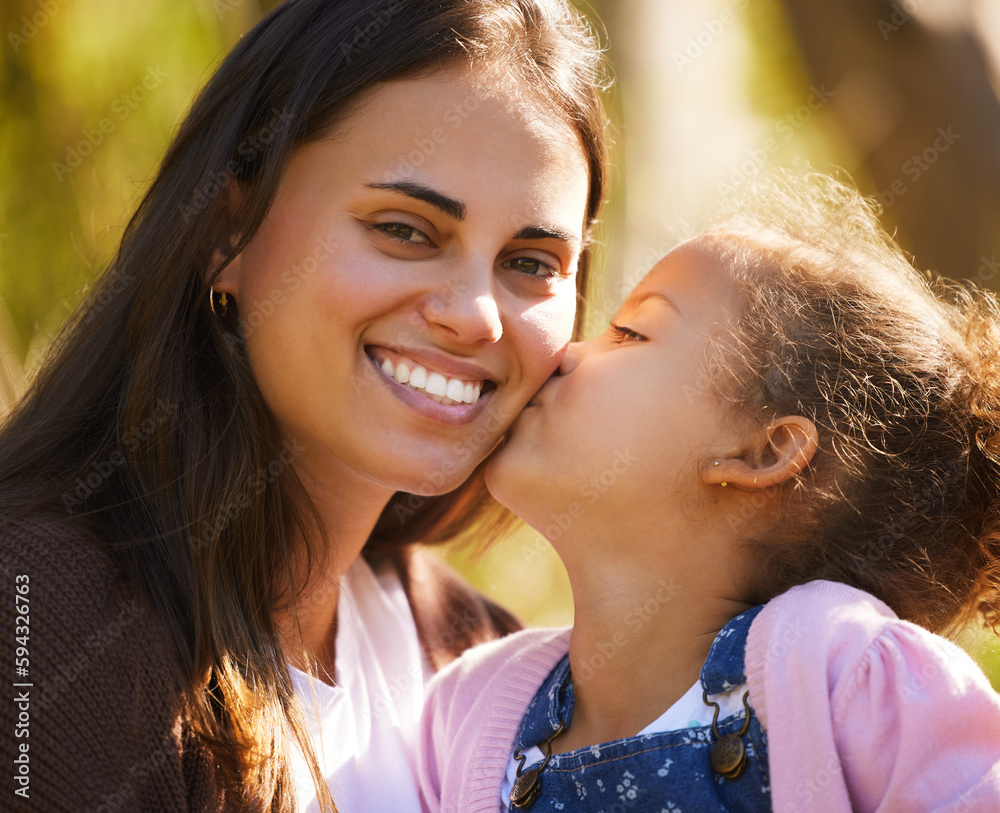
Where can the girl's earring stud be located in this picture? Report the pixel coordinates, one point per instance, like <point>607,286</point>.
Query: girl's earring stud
<point>716,463</point>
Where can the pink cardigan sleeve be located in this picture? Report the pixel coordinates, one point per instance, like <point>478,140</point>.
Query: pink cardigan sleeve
<point>864,712</point>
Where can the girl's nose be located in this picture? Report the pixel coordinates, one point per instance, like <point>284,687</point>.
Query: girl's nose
<point>574,355</point>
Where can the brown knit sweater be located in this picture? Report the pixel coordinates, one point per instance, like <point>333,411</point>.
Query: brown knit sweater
<point>105,726</point>
<point>104,719</point>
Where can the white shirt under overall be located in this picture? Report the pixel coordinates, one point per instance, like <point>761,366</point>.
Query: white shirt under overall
<point>364,728</point>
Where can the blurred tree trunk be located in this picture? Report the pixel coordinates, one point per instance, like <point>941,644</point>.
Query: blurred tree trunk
<point>674,127</point>
<point>912,90</point>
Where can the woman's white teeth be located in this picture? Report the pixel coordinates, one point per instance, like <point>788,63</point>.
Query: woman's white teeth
<point>435,386</point>
<point>456,390</point>
<point>418,378</point>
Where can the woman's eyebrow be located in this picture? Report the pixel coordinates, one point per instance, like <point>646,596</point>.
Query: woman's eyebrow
<point>453,208</point>
<point>545,232</point>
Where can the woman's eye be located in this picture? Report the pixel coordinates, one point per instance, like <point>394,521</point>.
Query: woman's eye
<point>531,266</point>
<point>403,233</point>
<point>624,335</point>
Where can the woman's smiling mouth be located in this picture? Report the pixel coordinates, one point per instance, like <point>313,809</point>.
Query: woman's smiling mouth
<point>437,385</point>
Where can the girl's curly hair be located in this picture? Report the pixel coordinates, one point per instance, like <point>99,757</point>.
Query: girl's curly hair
<point>899,371</point>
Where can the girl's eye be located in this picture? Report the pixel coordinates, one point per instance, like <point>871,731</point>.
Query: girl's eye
<point>624,335</point>
<point>532,267</point>
<point>403,233</point>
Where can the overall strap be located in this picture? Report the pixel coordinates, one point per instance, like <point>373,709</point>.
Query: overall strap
<point>724,667</point>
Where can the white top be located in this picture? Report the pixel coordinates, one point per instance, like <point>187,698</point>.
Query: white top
<point>689,711</point>
<point>364,728</point>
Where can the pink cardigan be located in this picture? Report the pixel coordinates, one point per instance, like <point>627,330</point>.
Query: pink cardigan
<point>863,712</point>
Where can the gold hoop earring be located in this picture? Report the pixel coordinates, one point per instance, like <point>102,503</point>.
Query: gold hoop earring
<point>223,301</point>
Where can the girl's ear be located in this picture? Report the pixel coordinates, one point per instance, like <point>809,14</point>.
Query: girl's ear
<point>782,450</point>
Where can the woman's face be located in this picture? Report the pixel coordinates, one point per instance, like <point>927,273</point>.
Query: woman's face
<point>617,438</point>
<point>414,282</point>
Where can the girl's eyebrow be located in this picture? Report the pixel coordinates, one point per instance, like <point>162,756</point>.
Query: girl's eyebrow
<point>455,209</point>
<point>636,299</point>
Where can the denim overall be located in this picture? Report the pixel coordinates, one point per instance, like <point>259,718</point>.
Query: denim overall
<point>664,772</point>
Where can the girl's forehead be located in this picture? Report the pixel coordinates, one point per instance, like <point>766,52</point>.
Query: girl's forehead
<point>693,271</point>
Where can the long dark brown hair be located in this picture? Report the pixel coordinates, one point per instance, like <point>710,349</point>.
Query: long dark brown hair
<point>145,427</point>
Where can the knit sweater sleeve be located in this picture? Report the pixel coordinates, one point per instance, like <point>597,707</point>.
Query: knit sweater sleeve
<point>472,714</point>
<point>865,712</point>
<point>99,725</point>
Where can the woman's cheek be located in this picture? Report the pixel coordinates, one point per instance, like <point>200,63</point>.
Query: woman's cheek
<point>551,329</point>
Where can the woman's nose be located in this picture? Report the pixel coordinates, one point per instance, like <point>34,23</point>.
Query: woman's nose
<point>467,309</point>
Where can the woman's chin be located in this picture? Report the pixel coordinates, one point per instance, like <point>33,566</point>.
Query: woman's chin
<point>413,476</point>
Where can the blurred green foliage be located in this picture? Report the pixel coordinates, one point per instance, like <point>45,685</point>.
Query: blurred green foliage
<point>90,92</point>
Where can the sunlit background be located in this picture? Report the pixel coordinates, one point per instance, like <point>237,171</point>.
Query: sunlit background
<point>902,96</point>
